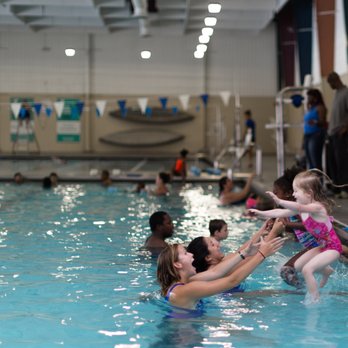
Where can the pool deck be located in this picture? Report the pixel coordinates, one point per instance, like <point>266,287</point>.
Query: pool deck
<point>89,169</point>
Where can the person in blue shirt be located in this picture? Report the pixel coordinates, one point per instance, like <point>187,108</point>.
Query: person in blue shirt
<point>314,129</point>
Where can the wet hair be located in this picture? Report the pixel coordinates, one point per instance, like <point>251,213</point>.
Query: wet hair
<point>247,112</point>
<point>140,187</point>
<point>199,248</point>
<point>46,183</point>
<point>167,273</point>
<point>222,183</point>
<point>285,181</point>
<point>165,177</point>
<point>310,182</point>
<point>184,153</point>
<point>156,219</point>
<point>18,178</point>
<point>291,277</point>
<point>17,174</point>
<point>216,225</point>
<point>105,174</point>
<point>315,93</point>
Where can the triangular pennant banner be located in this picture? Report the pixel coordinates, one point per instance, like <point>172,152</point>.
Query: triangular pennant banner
<point>204,98</point>
<point>37,108</point>
<point>16,108</point>
<point>184,100</point>
<point>59,107</point>
<point>175,110</point>
<point>75,115</point>
<point>142,102</point>
<point>163,101</point>
<point>80,106</point>
<point>225,96</point>
<point>122,105</point>
<point>148,112</point>
<point>48,111</point>
<point>23,112</point>
<point>100,106</point>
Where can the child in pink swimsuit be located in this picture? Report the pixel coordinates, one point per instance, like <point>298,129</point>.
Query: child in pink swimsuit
<point>313,206</point>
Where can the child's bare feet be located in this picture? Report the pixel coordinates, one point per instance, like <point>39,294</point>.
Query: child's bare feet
<point>326,274</point>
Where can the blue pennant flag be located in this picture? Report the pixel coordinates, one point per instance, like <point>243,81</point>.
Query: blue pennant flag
<point>163,101</point>
<point>97,111</point>
<point>122,105</point>
<point>148,111</point>
<point>37,108</point>
<point>74,112</point>
<point>80,106</point>
<point>205,99</point>
<point>48,111</point>
<point>22,113</point>
<point>175,110</point>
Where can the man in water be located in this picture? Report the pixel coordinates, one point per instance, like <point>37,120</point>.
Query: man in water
<point>161,228</point>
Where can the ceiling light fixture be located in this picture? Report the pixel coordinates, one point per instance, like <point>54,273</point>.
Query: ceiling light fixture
<point>70,52</point>
<point>210,21</point>
<point>201,48</point>
<point>145,54</point>
<point>214,7</point>
<point>198,54</point>
<point>204,39</point>
<point>208,31</point>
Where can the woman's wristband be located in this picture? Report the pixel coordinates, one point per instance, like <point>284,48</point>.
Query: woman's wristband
<point>241,255</point>
<point>261,254</point>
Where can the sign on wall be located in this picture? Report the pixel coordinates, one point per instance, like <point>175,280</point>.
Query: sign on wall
<point>21,120</point>
<point>68,121</point>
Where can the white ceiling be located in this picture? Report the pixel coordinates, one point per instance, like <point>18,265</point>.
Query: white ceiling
<point>173,16</point>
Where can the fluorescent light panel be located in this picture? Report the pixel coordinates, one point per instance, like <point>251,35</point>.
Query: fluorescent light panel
<point>214,7</point>
<point>210,21</point>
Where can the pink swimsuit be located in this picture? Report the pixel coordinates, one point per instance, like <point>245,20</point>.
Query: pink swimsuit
<point>326,236</point>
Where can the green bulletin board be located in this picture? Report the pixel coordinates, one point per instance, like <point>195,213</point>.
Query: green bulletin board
<point>69,124</point>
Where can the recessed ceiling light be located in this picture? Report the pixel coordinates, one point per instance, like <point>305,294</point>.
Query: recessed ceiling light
<point>201,48</point>
<point>208,31</point>
<point>145,54</point>
<point>210,21</point>
<point>198,54</point>
<point>204,39</point>
<point>214,7</point>
<point>70,52</point>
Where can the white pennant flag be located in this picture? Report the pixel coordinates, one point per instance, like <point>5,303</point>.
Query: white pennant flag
<point>142,102</point>
<point>225,96</point>
<point>16,108</point>
<point>100,105</point>
<point>184,100</point>
<point>59,106</point>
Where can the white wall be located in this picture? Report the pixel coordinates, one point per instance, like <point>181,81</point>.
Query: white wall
<point>108,66</point>
<point>242,62</point>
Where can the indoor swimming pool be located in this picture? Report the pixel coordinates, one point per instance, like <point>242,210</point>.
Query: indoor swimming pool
<point>73,274</point>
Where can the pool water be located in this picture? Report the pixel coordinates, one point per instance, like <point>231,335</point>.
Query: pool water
<point>72,275</point>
